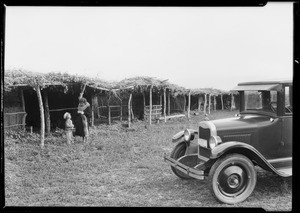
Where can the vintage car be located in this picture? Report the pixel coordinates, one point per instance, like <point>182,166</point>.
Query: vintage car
<point>226,151</point>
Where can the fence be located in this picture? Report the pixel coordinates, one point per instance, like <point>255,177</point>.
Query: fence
<point>14,119</point>
<point>110,113</point>
<point>156,112</point>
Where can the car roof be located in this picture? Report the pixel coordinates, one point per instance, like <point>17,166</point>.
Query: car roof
<point>266,82</point>
<point>262,85</point>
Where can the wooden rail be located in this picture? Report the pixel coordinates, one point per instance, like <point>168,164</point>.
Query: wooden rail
<point>22,119</point>
<point>63,109</point>
<point>155,112</point>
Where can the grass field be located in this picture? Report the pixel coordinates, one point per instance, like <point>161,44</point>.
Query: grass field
<point>118,167</point>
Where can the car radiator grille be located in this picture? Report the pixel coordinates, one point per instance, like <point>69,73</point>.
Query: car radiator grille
<point>204,133</point>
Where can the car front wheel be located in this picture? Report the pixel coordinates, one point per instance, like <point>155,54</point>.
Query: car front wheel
<point>232,178</point>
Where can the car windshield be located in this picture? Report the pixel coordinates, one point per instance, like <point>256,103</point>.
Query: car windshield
<point>261,101</point>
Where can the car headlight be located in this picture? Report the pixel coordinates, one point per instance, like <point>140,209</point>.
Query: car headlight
<point>214,141</point>
<point>187,135</point>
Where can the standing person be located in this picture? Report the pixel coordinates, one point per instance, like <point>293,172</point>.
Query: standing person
<point>82,120</point>
<point>69,128</point>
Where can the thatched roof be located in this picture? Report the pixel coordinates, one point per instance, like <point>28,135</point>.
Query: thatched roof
<point>141,83</point>
<point>177,90</point>
<point>211,91</point>
<point>19,77</point>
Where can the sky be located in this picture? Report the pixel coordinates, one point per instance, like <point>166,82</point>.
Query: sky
<point>194,47</point>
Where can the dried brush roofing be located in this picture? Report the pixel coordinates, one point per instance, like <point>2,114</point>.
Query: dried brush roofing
<point>19,77</point>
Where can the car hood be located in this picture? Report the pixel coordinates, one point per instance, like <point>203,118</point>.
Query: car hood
<point>242,123</point>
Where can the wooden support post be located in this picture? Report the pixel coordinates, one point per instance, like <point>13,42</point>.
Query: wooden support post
<point>98,112</point>
<point>184,103</point>
<point>144,102</point>
<point>205,103</point>
<point>94,97</point>
<point>82,91</point>
<point>209,103</point>
<point>215,103</point>
<point>165,103</point>
<point>150,105</point>
<point>189,105</point>
<point>144,99</point>
<point>199,103</point>
<point>132,115</point>
<point>109,113</point>
<point>47,113</point>
<point>160,99</point>
<point>23,107</point>
<point>39,95</point>
<point>232,102</point>
<point>121,110</point>
<point>129,111</point>
<point>169,102</point>
<point>222,102</point>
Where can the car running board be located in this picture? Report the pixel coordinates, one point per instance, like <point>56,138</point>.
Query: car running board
<point>285,171</point>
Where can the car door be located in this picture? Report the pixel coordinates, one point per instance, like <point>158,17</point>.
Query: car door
<point>287,124</point>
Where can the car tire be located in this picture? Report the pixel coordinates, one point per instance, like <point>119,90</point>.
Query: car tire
<point>178,152</point>
<point>232,178</point>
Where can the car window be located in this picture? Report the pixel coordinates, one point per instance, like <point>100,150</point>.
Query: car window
<point>288,102</point>
<point>261,100</point>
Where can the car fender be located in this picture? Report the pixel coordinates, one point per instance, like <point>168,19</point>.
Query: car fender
<point>178,137</point>
<point>245,149</point>
<point>192,148</point>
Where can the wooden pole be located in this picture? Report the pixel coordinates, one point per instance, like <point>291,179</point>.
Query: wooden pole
<point>232,102</point>
<point>39,95</point>
<point>144,102</point>
<point>150,105</point>
<point>160,99</point>
<point>82,91</point>
<point>129,116</point>
<point>109,113</point>
<point>165,103</point>
<point>169,102</point>
<point>199,103</point>
<point>189,105</point>
<point>131,108</point>
<point>23,107</point>
<point>184,101</point>
<point>121,110</point>
<point>93,109</point>
<point>205,103</point>
<point>209,103</point>
<point>144,98</point>
<point>47,113</point>
<point>222,102</point>
<point>215,103</point>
